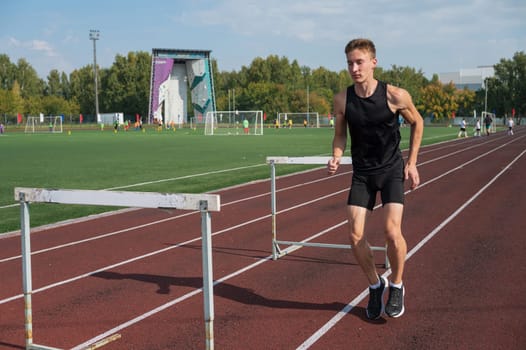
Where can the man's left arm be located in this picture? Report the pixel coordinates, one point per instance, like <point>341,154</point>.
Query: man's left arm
<point>401,101</point>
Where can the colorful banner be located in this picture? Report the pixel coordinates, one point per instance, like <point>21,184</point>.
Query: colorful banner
<point>162,67</point>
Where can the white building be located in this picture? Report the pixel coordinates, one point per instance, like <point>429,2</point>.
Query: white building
<point>472,78</point>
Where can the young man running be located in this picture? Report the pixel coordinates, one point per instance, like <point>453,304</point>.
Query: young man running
<point>370,109</point>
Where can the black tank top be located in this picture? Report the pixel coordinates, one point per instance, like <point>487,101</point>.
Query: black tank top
<point>374,130</point>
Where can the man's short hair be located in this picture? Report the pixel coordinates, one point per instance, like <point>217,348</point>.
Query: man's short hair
<point>362,44</point>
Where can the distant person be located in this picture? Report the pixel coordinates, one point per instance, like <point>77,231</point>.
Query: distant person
<point>290,123</point>
<point>1,128</point>
<point>245,126</point>
<point>305,123</point>
<point>487,123</point>
<point>369,109</point>
<point>511,123</point>
<point>116,126</point>
<point>477,128</point>
<point>463,128</point>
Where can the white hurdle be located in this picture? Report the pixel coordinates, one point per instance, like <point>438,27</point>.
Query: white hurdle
<point>201,202</point>
<point>277,252</point>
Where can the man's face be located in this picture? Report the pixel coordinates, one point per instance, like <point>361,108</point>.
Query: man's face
<point>360,65</point>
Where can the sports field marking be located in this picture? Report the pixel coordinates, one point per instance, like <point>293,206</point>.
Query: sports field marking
<point>325,328</point>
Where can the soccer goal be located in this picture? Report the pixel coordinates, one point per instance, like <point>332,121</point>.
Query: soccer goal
<point>231,122</point>
<point>307,119</point>
<point>51,124</point>
<point>493,127</point>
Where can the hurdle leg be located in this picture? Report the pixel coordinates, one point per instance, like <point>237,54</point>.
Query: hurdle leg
<point>275,248</point>
<point>208,283</point>
<point>26,269</point>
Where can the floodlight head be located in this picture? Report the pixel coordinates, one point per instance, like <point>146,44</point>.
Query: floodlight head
<point>94,34</point>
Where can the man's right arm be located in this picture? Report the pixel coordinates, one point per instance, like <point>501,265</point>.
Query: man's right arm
<point>339,141</point>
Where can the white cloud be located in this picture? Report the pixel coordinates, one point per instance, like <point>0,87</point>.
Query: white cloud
<point>34,45</point>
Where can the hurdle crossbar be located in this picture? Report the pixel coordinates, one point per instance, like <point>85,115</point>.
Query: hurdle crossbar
<point>277,252</point>
<point>201,202</point>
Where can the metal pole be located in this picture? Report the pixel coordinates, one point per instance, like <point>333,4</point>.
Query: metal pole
<point>94,35</point>
<point>308,106</point>
<point>208,280</point>
<point>486,97</point>
<point>229,107</point>
<point>26,269</point>
<point>273,208</point>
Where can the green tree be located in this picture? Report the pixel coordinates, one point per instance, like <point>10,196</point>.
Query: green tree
<point>65,86</point>
<point>54,85</point>
<point>33,105</point>
<point>438,100</point>
<point>127,84</point>
<point>6,101</point>
<point>17,102</point>
<point>508,89</point>
<point>405,77</point>
<point>29,82</point>
<point>7,73</point>
<point>465,99</point>
<point>83,89</point>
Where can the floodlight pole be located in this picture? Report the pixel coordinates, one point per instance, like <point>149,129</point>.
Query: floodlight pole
<point>486,97</point>
<point>308,105</point>
<point>94,35</point>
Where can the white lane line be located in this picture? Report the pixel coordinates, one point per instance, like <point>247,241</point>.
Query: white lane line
<point>166,305</point>
<point>332,322</point>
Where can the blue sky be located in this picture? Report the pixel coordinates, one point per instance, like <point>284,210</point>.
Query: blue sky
<point>436,36</point>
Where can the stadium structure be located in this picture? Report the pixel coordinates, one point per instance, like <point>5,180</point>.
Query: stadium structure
<point>175,74</point>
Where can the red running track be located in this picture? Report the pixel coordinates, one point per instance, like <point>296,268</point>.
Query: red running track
<point>138,272</point>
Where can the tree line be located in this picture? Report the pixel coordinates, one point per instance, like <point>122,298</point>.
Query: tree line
<point>273,84</point>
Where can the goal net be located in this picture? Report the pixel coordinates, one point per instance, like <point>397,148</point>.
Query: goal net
<point>493,127</point>
<point>232,123</point>
<point>307,119</point>
<point>43,124</point>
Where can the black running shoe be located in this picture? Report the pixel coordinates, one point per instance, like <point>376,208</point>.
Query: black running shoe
<point>395,302</point>
<point>375,307</point>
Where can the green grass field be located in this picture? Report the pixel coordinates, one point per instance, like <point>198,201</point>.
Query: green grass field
<point>184,161</point>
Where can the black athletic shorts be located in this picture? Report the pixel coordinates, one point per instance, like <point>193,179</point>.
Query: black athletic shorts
<point>365,187</point>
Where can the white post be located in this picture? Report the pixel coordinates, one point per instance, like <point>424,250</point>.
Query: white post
<point>273,207</point>
<point>486,95</point>
<point>208,282</point>
<point>26,268</point>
